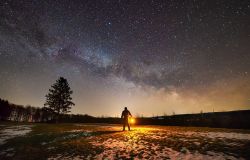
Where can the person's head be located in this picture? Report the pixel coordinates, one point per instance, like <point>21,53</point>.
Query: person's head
<point>125,108</point>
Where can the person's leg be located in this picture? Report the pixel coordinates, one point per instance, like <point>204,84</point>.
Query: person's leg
<point>124,125</point>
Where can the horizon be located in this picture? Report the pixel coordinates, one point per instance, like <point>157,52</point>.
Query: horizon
<point>153,57</point>
<point>136,115</point>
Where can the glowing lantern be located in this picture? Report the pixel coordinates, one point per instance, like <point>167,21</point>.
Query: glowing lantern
<point>131,120</point>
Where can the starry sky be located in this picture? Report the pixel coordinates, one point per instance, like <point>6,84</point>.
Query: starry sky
<point>155,57</point>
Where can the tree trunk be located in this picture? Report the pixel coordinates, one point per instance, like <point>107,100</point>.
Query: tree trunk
<point>57,117</point>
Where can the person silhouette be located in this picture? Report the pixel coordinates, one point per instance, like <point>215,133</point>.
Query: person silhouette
<point>125,116</point>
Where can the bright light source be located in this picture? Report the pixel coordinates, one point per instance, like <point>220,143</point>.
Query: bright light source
<point>132,120</point>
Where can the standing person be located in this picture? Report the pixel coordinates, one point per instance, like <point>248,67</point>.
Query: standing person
<point>125,116</point>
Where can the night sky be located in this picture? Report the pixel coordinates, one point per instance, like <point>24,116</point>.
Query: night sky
<point>155,57</point>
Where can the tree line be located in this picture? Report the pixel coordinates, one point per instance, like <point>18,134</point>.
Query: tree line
<point>58,103</point>
<point>20,113</point>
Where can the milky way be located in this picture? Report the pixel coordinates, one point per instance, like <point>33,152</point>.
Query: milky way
<point>155,57</point>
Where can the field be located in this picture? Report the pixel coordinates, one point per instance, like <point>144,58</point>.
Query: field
<point>99,141</point>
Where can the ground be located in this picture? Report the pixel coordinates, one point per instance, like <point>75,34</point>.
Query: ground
<point>103,141</point>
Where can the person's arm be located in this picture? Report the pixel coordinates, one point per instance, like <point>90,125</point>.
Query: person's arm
<point>129,113</point>
<point>122,115</point>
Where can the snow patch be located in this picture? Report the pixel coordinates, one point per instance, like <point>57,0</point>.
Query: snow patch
<point>13,131</point>
<point>232,135</point>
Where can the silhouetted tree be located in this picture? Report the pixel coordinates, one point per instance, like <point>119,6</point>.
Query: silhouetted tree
<point>59,100</point>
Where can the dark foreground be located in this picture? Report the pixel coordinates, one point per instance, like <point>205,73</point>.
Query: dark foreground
<point>83,141</point>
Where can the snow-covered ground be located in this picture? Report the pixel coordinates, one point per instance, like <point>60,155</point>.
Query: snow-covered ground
<point>80,141</point>
<point>151,143</point>
<point>13,131</point>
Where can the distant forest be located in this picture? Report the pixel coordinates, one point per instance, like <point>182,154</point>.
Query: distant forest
<point>20,113</point>
<point>232,119</point>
